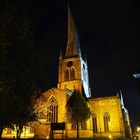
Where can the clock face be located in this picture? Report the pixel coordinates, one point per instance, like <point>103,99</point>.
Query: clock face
<point>69,64</point>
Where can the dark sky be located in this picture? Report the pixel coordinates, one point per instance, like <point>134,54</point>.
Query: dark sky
<point>109,35</point>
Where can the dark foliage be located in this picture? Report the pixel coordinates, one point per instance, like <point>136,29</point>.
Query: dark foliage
<point>23,66</point>
<point>77,109</point>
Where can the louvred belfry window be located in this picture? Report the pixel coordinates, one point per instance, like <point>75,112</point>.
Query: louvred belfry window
<point>72,73</point>
<point>67,74</point>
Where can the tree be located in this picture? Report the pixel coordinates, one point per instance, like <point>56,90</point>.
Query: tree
<point>23,113</point>
<point>77,109</point>
<point>5,108</point>
<point>22,62</point>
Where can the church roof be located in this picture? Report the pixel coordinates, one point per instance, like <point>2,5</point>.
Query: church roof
<point>73,45</point>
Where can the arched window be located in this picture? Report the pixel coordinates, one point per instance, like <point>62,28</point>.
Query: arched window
<point>72,73</point>
<point>52,110</point>
<point>84,73</point>
<point>73,126</point>
<point>106,118</point>
<point>94,121</point>
<point>67,75</point>
<point>83,125</point>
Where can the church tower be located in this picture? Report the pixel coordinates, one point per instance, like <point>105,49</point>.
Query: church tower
<point>73,69</point>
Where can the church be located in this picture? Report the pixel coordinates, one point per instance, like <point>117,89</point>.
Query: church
<point>109,116</point>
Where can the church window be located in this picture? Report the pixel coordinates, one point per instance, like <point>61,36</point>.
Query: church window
<point>83,125</point>
<point>84,73</point>
<point>9,130</point>
<point>31,129</point>
<point>94,121</point>
<point>106,121</point>
<point>83,66</point>
<point>52,110</point>
<point>67,75</point>
<point>69,64</point>
<point>72,73</point>
<point>73,126</point>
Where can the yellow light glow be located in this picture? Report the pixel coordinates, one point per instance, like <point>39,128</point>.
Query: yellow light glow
<point>138,129</point>
<point>110,136</point>
<point>47,137</point>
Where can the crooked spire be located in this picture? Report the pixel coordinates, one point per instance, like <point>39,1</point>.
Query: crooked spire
<point>73,46</point>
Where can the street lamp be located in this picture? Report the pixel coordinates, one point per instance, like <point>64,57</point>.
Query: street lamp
<point>110,136</point>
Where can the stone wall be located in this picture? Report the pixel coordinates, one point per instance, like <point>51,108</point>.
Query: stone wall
<point>112,106</point>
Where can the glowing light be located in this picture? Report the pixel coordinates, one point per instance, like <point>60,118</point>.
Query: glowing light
<point>110,136</point>
<point>47,137</point>
<point>138,129</point>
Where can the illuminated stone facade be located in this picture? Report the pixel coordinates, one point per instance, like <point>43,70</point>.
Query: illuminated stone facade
<point>109,117</point>
<point>51,108</point>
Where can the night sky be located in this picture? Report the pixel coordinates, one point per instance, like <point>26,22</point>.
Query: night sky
<point>109,34</point>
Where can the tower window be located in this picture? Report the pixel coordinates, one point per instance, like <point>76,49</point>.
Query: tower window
<point>94,120</point>
<point>85,73</point>
<point>72,73</point>
<point>83,66</point>
<point>52,110</point>
<point>69,64</point>
<point>106,118</point>
<point>67,74</point>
